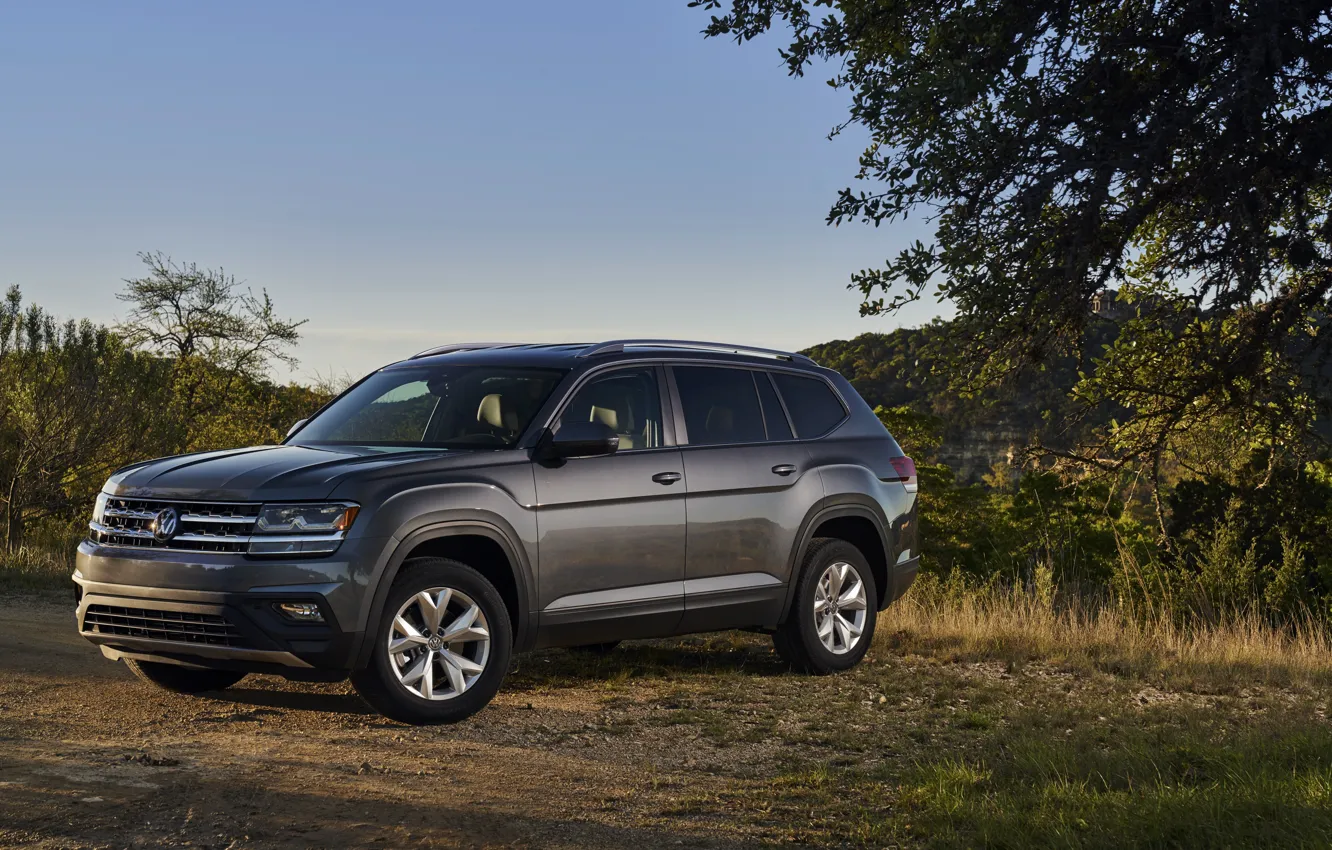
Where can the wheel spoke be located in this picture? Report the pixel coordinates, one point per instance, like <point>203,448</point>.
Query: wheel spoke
<point>432,608</point>
<point>454,672</point>
<point>413,674</point>
<point>850,627</point>
<point>428,680</point>
<point>840,626</point>
<point>820,605</point>
<point>825,629</point>
<point>465,628</point>
<point>462,662</point>
<point>854,598</point>
<point>397,647</point>
<point>834,581</point>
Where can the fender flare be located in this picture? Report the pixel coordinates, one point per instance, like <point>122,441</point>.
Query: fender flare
<point>523,578</point>
<point>852,506</point>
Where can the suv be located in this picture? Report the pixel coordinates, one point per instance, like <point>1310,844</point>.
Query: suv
<point>483,499</point>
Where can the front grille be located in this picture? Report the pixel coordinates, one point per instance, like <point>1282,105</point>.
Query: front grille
<point>202,526</point>
<point>178,626</point>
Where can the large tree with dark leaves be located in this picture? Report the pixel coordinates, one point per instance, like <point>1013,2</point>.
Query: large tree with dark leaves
<point>1179,152</point>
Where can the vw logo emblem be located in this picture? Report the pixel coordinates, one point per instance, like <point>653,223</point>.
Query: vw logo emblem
<point>164,524</point>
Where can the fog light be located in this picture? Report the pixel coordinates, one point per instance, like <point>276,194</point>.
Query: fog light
<point>301,612</point>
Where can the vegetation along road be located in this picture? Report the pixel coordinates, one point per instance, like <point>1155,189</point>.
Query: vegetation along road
<point>949,736</point>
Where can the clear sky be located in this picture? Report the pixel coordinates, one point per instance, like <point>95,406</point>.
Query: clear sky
<point>410,174</point>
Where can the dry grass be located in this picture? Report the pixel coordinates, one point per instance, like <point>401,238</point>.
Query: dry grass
<point>35,569</point>
<point>1017,626</point>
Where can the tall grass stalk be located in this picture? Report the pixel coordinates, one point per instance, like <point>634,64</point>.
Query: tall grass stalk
<point>1099,631</point>
<point>33,568</point>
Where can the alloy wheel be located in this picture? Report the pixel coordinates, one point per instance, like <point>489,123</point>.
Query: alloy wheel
<point>840,608</point>
<point>439,643</point>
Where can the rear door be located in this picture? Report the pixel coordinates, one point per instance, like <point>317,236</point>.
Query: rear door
<point>750,484</point>
<point>611,530</point>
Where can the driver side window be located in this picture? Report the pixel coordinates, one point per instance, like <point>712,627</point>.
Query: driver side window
<point>627,401</point>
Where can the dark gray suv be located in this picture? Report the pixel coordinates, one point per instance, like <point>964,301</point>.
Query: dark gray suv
<point>482,499</point>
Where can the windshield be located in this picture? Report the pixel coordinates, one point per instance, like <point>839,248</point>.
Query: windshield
<point>445,407</point>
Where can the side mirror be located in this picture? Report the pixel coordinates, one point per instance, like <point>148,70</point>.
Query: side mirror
<point>294,428</point>
<point>581,439</point>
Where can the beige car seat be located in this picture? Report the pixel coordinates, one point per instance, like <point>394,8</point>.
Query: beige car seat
<point>492,412</point>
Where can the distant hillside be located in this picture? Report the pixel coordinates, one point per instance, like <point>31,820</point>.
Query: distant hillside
<point>899,368</point>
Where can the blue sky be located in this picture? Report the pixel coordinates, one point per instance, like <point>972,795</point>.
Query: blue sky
<point>419,173</point>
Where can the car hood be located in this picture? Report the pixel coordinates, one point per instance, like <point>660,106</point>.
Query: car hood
<point>259,473</point>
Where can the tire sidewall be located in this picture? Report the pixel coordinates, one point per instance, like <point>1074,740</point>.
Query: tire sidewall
<point>441,572</point>
<point>820,557</point>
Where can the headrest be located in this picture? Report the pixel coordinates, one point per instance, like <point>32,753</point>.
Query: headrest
<point>491,410</point>
<point>606,416</point>
<point>720,420</point>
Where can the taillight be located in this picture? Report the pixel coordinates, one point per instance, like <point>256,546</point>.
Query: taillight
<point>906,472</point>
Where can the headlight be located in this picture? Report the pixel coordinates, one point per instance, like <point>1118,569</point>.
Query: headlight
<point>311,529</point>
<point>99,508</point>
<point>305,519</point>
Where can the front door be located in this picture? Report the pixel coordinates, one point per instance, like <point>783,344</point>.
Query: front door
<point>750,486</point>
<point>611,530</point>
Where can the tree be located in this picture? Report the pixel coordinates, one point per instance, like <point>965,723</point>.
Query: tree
<point>221,342</point>
<point>68,400</point>
<point>1180,152</point>
<point>188,313</point>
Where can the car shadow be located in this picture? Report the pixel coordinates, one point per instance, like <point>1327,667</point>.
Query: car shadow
<point>293,700</point>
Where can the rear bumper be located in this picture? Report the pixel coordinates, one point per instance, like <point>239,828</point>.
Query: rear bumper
<point>231,622</point>
<point>903,576</point>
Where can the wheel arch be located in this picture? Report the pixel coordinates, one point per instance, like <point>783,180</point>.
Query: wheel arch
<point>476,543</point>
<point>860,522</point>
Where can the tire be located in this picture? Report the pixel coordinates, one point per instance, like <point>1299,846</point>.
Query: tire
<point>183,680</point>
<point>419,685</point>
<point>798,640</point>
<point>597,648</point>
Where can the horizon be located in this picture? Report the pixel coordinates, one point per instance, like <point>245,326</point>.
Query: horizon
<point>409,180</point>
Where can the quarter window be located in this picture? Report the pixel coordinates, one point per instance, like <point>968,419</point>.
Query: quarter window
<point>720,405</point>
<point>813,406</point>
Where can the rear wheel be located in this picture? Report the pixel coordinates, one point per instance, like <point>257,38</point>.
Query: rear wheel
<point>831,622</point>
<point>442,646</point>
<point>183,680</point>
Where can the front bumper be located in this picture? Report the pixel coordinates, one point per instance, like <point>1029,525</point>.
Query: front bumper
<point>219,610</point>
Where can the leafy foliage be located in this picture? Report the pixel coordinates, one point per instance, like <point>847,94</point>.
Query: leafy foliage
<point>78,400</point>
<point>1176,151</point>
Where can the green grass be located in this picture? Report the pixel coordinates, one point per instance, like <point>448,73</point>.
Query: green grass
<point>30,569</point>
<point>993,727</point>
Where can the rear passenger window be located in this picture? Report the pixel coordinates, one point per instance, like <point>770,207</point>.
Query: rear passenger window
<point>720,405</point>
<point>778,427</point>
<point>813,407</point>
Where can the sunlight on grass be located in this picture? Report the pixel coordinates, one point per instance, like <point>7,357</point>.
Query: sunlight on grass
<point>1016,626</point>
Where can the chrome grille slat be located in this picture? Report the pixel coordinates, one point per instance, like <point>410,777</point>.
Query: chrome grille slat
<point>178,626</point>
<point>205,526</point>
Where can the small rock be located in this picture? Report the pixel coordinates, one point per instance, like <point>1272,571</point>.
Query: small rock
<point>364,769</point>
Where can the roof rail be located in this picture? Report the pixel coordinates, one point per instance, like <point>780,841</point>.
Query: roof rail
<point>462,346</point>
<point>615,346</point>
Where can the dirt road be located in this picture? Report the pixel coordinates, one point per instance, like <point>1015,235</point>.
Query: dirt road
<point>91,757</point>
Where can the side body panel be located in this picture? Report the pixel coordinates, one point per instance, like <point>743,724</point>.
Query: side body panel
<point>744,520</point>
<point>612,544</point>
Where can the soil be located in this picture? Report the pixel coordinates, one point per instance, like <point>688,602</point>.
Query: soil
<point>92,757</point>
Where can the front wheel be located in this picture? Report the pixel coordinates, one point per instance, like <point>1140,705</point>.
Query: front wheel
<point>442,646</point>
<point>183,680</point>
<point>831,622</point>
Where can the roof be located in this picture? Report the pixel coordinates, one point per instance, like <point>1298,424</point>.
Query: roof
<point>569,355</point>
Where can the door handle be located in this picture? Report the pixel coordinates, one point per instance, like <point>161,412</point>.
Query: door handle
<point>784,468</point>
<point>667,477</point>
